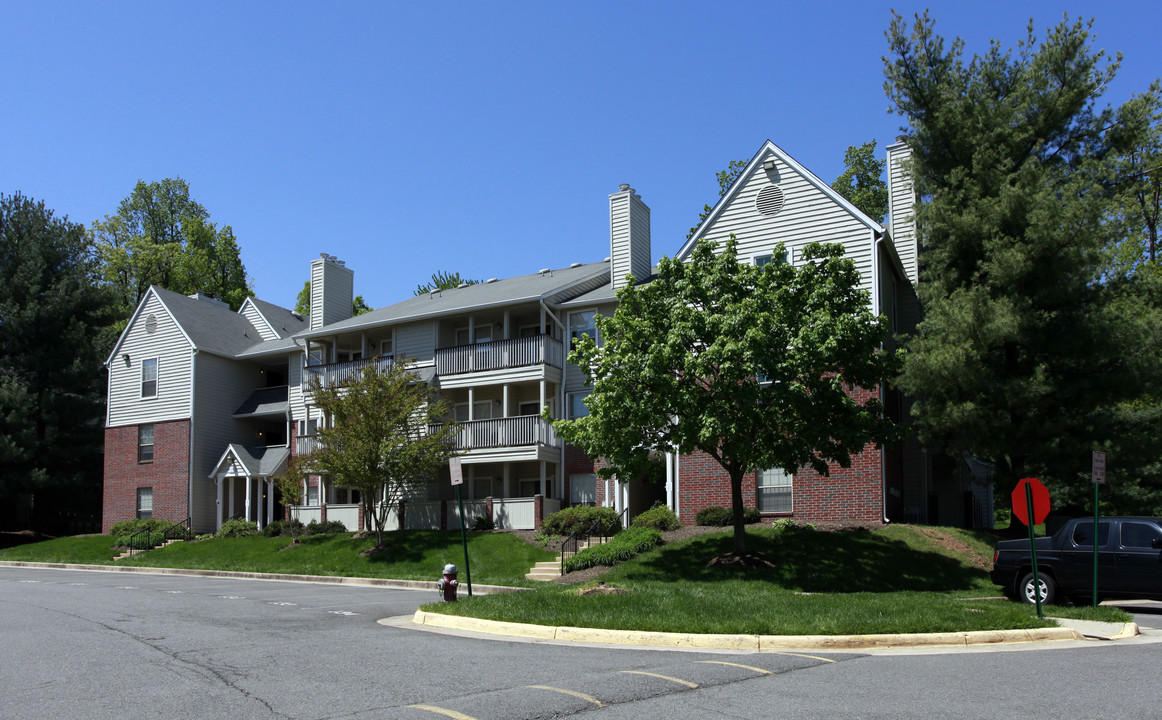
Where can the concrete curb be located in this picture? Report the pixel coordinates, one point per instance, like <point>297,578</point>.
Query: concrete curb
<point>425,585</point>
<point>746,642</point>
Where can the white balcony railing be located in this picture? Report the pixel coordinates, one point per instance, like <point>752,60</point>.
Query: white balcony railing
<point>341,372</point>
<point>504,432</point>
<point>500,355</point>
<point>306,444</point>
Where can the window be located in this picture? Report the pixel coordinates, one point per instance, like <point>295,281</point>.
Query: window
<point>313,495</point>
<point>481,410</point>
<point>385,348</point>
<point>145,443</point>
<point>1083,534</point>
<point>483,487</point>
<point>529,408</point>
<point>149,378</point>
<point>144,503</point>
<point>577,407</point>
<point>760,260</point>
<point>308,427</point>
<point>1139,535</point>
<point>530,488</point>
<point>345,496</point>
<point>481,333</point>
<point>774,489</point>
<point>583,323</point>
<point>529,331</point>
<point>583,489</point>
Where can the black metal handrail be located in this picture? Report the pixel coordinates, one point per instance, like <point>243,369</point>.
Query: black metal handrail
<point>597,530</point>
<point>134,541</point>
<point>179,531</point>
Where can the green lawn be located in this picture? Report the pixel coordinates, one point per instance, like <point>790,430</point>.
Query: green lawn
<point>898,579</point>
<point>497,558</point>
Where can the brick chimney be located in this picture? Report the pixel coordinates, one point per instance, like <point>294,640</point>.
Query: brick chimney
<point>629,236</point>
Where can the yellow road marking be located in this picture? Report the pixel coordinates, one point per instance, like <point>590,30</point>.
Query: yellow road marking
<point>687,683</point>
<point>574,693</point>
<point>737,665</point>
<point>813,657</point>
<point>443,711</point>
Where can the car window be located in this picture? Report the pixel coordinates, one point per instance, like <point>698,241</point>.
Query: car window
<point>1083,533</point>
<point>1138,535</point>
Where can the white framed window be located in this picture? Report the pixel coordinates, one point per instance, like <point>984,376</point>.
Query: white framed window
<point>481,334</point>
<point>149,378</point>
<point>577,407</point>
<point>313,495</point>
<point>481,410</point>
<point>386,348</point>
<point>529,408</point>
<point>145,443</point>
<point>775,491</point>
<point>145,503</point>
<point>583,489</point>
<point>583,322</point>
<point>764,258</point>
<point>308,427</point>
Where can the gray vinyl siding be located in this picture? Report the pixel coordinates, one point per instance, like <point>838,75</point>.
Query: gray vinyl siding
<point>221,385</point>
<point>901,209</point>
<point>172,350</point>
<point>294,378</point>
<point>250,312</point>
<point>640,263</point>
<point>416,341</point>
<point>629,237</point>
<point>619,228</point>
<point>807,215</point>
<point>574,378</point>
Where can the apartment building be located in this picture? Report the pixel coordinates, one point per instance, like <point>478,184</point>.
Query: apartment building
<point>206,405</point>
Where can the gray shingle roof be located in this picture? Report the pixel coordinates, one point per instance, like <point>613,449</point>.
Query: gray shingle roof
<point>510,291</point>
<point>264,401</point>
<point>215,328</point>
<point>261,461</point>
<point>284,322</point>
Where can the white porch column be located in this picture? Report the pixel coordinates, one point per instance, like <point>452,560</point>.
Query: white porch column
<point>249,492</point>
<point>335,349</point>
<point>269,501</point>
<point>471,403</point>
<point>218,507</point>
<point>670,480</point>
<point>306,492</point>
<point>322,491</point>
<point>542,405</point>
<point>363,345</point>
<point>504,401</point>
<point>543,488</point>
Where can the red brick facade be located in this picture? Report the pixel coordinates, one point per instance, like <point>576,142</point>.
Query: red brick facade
<point>168,474</point>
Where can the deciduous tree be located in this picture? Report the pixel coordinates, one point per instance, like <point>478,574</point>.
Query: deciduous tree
<point>862,182</point>
<point>303,302</point>
<point>750,365</point>
<point>443,280</point>
<point>384,435</point>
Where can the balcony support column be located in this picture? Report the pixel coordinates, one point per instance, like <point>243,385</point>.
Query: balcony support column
<point>269,500</point>
<point>249,493</point>
<point>504,395</point>
<point>471,403</point>
<point>507,325</point>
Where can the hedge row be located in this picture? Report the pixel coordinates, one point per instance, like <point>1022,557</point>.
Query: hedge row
<point>623,546</point>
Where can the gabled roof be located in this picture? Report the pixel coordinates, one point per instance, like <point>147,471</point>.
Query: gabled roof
<point>282,322</point>
<point>213,327</point>
<point>510,291</point>
<point>255,462</point>
<point>768,149</point>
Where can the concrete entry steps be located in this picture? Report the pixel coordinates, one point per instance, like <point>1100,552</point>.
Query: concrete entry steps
<point>547,570</point>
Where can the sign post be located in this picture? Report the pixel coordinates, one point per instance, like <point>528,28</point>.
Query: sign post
<point>457,471</point>
<point>1099,478</point>
<point>1030,506</point>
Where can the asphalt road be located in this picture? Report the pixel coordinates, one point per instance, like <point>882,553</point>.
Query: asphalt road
<point>112,645</point>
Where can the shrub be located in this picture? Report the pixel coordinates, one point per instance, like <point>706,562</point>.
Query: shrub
<point>783,524</point>
<point>238,528</point>
<point>284,528</point>
<point>658,518</point>
<point>331,527</point>
<point>546,540</point>
<point>124,531</point>
<point>623,546</point>
<point>482,523</point>
<point>580,517</point>
<point>721,517</point>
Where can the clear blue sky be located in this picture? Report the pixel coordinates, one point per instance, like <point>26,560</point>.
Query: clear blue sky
<point>476,137</point>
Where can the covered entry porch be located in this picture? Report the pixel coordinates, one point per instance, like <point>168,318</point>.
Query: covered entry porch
<point>245,488</point>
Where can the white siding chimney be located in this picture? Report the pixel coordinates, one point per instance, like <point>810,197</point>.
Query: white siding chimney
<point>332,291</point>
<point>629,236</point>
<point>902,200</point>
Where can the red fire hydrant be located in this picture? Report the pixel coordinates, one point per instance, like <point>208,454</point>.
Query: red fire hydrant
<point>447,585</point>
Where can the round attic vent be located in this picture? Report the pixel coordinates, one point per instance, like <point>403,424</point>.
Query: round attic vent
<point>769,200</point>
<point>151,323</point>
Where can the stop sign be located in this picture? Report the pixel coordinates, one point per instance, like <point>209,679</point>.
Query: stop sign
<point>1040,501</point>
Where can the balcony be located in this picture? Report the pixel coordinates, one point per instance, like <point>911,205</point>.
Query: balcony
<point>341,372</point>
<point>528,437</point>
<point>500,355</point>
<point>306,444</point>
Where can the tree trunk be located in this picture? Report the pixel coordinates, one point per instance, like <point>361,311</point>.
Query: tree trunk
<point>736,505</point>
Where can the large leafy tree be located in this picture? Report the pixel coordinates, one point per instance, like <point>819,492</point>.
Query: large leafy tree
<point>750,365</point>
<point>162,236</point>
<point>1025,357</point>
<point>53,315</point>
<point>862,182</point>
<point>384,436</point>
<point>726,179</point>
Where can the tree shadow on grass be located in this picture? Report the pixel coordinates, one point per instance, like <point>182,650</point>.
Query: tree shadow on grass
<point>411,545</point>
<point>812,561</point>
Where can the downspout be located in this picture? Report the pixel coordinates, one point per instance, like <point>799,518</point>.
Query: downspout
<point>876,242</point>
<point>190,444</point>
